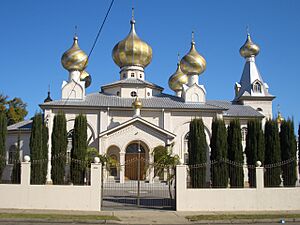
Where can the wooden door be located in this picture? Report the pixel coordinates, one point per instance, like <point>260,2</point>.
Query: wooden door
<point>131,166</point>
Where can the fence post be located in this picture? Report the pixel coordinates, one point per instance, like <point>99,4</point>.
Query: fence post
<point>181,179</point>
<point>96,168</point>
<point>25,171</point>
<point>259,176</point>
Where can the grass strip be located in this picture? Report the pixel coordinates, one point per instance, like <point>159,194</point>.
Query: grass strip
<point>241,217</point>
<point>56,216</point>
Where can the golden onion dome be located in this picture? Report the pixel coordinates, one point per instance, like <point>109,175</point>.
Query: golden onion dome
<point>85,76</point>
<point>249,48</point>
<point>74,58</point>
<point>137,104</point>
<point>177,79</point>
<point>279,118</point>
<point>193,63</point>
<point>132,51</point>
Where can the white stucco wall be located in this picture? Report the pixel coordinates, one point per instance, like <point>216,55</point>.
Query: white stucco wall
<point>52,197</point>
<point>240,199</point>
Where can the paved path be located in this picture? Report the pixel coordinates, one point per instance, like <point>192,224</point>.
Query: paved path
<point>136,217</point>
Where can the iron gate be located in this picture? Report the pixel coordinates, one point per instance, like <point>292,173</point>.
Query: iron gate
<point>138,189</point>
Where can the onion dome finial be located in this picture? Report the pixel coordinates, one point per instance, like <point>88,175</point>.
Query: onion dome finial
<point>74,58</point>
<point>193,63</point>
<point>132,51</point>
<point>85,76</point>
<point>137,104</point>
<point>177,79</point>
<point>249,48</point>
<point>48,99</point>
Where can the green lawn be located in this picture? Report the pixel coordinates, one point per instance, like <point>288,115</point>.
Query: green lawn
<point>56,216</point>
<point>241,216</point>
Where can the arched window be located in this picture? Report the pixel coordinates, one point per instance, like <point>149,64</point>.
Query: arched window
<point>244,133</point>
<point>11,154</point>
<point>257,87</point>
<point>69,146</point>
<point>133,94</point>
<point>186,148</point>
<point>134,148</point>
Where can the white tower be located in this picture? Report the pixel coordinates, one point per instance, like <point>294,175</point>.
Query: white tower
<point>251,90</point>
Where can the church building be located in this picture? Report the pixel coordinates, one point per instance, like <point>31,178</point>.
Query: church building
<point>132,115</point>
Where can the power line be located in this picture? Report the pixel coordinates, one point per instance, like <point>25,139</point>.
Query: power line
<point>94,44</point>
<point>99,32</point>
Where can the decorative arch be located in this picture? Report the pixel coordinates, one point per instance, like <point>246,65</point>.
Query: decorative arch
<point>91,138</point>
<point>257,87</point>
<point>113,152</point>
<point>135,160</point>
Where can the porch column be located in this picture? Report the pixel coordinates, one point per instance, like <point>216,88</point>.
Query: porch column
<point>122,167</point>
<point>151,168</point>
<point>49,121</point>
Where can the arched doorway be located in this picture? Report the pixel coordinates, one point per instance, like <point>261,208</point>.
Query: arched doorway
<point>135,158</point>
<point>114,153</point>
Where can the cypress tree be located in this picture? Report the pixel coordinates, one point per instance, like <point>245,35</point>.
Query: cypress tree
<point>218,145</point>
<point>255,148</point>
<point>3,132</point>
<point>16,172</point>
<point>288,146</point>
<point>197,153</point>
<point>59,148</point>
<point>235,154</point>
<point>272,154</point>
<point>299,148</point>
<point>38,150</point>
<point>79,149</point>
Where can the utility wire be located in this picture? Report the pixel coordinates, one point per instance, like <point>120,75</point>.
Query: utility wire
<point>99,32</point>
<point>94,44</point>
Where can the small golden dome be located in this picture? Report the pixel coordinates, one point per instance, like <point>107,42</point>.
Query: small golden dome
<point>74,58</point>
<point>137,104</point>
<point>279,118</point>
<point>132,51</point>
<point>177,79</point>
<point>249,48</point>
<point>85,76</point>
<point>192,63</point>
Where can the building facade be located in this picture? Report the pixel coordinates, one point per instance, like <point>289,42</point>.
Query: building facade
<point>133,115</point>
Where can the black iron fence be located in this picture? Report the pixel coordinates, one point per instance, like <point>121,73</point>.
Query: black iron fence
<point>219,174</point>
<point>282,174</point>
<point>229,174</point>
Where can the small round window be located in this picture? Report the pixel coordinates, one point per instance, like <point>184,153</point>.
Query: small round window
<point>133,94</point>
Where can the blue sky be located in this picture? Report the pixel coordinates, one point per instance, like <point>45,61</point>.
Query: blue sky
<point>34,35</point>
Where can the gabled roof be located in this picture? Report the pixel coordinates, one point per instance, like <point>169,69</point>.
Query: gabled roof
<point>132,81</point>
<point>138,119</point>
<point>23,125</point>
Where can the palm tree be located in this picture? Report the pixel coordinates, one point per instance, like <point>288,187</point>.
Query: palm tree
<point>164,160</point>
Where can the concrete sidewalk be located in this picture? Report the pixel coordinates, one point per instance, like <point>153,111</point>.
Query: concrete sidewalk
<point>155,216</point>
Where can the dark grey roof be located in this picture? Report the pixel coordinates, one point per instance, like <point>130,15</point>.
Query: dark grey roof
<point>131,81</point>
<point>24,125</point>
<point>160,101</point>
<point>235,110</point>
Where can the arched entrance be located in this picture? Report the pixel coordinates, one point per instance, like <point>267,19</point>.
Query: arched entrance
<point>135,158</point>
<point>114,153</point>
